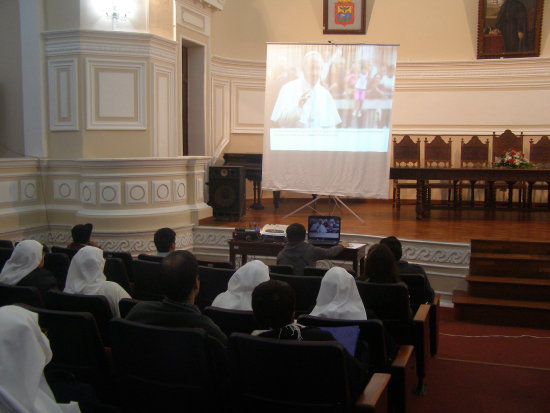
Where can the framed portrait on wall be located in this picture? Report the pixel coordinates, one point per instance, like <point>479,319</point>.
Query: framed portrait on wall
<point>344,16</point>
<point>509,28</point>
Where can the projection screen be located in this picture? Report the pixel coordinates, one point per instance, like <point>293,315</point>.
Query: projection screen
<point>327,119</point>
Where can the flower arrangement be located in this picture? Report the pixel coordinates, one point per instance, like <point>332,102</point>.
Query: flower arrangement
<point>512,159</point>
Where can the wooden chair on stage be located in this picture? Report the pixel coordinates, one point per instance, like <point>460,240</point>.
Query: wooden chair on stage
<point>474,154</point>
<point>437,154</point>
<point>406,154</point>
<point>502,144</point>
<point>539,156</point>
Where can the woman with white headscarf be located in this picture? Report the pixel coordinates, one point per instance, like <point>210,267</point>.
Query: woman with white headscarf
<point>25,267</point>
<point>85,276</point>
<point>24,352</point>
<point>338,297</point>
<point>239,289</point>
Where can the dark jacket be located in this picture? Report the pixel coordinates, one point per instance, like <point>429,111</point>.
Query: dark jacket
<point>40,278</point>
<point>403,267</point>
<point>301,254</point>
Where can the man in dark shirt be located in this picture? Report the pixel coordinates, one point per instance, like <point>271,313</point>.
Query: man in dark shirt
<point>180,283</point>
<point>298,253</point>
<point>403,267</point>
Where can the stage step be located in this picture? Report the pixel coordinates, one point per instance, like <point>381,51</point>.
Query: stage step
<point>510,265</point>
<point>510,247</point>
<point>528,289</point>
<point>531,314</point>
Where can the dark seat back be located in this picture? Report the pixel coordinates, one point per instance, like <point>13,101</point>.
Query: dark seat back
<point>147,257</point>
<point>64,250</point>
<point>281,269</point>
<point>213,281</point>
<point>13,294</point>
<point>417,289</point>
<point>58,264</point>
<point>77,346</point>
<point>306,288</point>
<point>125,305</point>
<point>97,305</point>
<point>232,321</point>
<point>216,264</point>
<point>6,243</point>
<point>126,258</point>
<point>320,272</point>
<point>147,281</point>
<point>5,254</point>
<point>159,368</point>
<point>115,270</point>
<point>285,375</point>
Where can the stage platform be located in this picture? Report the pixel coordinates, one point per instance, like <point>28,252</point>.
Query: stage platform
<point>440,242</point>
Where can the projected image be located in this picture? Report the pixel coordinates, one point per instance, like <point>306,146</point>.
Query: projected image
<point>344,87</point>
<point>327,122</point>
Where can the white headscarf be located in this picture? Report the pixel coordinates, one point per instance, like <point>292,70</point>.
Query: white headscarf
<point>25,258</point>
<point>24,351</point>
<point>239,289</point>
<point>85,275</point>
<point>338,297</point>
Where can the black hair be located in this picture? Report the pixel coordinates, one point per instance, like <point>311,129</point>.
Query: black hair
<point>295,232</point>
<point>81,233</point>
<point>273,304</point>
<point>178,272</point>
<point>164,238</point>
<point>380,265</point>
<point>394,245</point>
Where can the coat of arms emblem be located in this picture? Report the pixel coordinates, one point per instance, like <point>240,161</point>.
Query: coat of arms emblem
<point>344,12</point>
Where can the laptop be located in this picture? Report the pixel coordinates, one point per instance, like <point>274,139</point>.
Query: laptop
<point>323,230</point>
<point>345,335</point>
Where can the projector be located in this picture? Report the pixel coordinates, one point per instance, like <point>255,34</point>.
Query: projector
<point>246,234</point>
<point>273,232</point>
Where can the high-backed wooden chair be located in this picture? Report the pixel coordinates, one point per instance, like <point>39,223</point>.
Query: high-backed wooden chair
<point>473,154</point>
<point>437,154</point>
<point>406,154</point>
<point>539,156</point>
<point>502,144</point>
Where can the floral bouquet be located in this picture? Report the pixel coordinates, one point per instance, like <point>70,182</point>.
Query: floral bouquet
<point>512,159</point>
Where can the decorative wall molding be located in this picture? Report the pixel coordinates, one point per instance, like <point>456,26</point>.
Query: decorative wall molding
<point>194,17</point>
<point>220,115</point>
<point>161,191</point>
<point>88,193</point>
<point>28,190</point>
<point>109,193</point>
<point>247,107</point>
<point>179,189</point>
<point>115,94</point>
<point>223,67</point>
<point>65,189</point>
<point>109,43</point>
<point>165,141</point>
<point>136,192</point>
<point>199,189</point>
<point>62,94</point>
<point>9,191</point>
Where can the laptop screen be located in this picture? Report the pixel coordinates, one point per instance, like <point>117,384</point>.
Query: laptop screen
<point>323,230</point>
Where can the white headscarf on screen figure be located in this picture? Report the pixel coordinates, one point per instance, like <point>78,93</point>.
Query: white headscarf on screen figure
<point>241,284</point>
<point>24,352</point>
<point>338,297</point>
<point>25,258</point>
<point>85,276</point>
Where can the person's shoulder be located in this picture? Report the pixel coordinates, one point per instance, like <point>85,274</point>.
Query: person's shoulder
<point>405,267</point>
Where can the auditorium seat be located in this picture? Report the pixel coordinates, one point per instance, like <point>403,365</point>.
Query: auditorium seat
<point>306,288</point>
<point>270,375</point>
<point>148,257</point>
<point>77,348</point>
<point>319,272</point>
<point>64,250</point>
<point>125,305</point>
<point>58,264</point>
<point>5,254</point>
<point>213,281</point>
<point>216,264</point>
<point>126,258</point>
<point>391,303</point>
<point>97,305</point>
<point>13,294</point>
<point>147,280</point>
<point>281,269</point>
<point>373,347</point>
<point>6,243</point>
<point>162,369</point>
<point>115,271</point>
<point>232,321</point>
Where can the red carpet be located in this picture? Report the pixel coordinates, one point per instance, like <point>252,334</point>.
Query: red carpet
<point>491,373</point>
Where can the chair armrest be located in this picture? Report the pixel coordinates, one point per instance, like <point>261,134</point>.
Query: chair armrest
<point>421,337</point>
<point>374,398</point>
<point>403,356</point>
<point>403,373</point>
<point>434,325</point>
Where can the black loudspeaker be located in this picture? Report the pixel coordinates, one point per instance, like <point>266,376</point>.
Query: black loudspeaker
<point>227,191</point>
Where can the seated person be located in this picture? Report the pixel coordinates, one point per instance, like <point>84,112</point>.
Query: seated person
<point>85,276</point>
<point>82,234</point>
<point>338,297</point>
<point>165,241</point>
<point>241,284</point>
<point>180,283</point>
<point>403,267</point>
<point>24,352</point>
<point>273,305</point>
<point>298,253</point>
<point>25,267</point>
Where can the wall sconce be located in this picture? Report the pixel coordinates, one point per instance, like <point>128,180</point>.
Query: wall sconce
<point>116,16</point>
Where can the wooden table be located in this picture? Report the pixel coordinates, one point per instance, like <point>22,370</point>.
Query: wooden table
<point>473,175</point>
<point>271,249</point>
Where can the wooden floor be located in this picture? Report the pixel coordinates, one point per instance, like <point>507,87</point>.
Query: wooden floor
<point>381,219</point>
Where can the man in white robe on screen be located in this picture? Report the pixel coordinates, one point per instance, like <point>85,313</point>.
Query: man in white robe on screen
<point>304,102</point>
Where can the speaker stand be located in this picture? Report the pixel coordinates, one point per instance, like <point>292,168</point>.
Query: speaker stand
<point>337,203</point>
